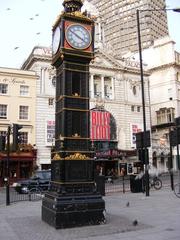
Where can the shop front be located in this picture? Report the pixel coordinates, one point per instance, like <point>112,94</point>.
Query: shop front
<point>21,166</point>
<point>112,161</point>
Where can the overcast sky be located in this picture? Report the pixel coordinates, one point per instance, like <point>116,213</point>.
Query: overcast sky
<point>28,23</point>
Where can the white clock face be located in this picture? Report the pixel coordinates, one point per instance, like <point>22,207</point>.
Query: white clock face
<point>56,40</point>
<point>78,36</point>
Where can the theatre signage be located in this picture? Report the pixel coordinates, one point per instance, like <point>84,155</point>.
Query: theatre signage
<point>100,125</point>
<point>115,153</point>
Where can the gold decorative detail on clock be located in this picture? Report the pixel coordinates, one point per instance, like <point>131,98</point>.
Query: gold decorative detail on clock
<point>76,94</point>
<point>57,157</point>
<point>76,135</point>
<point>77,156</point>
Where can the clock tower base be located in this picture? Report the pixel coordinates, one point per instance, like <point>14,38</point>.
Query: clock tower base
<point>78,205</point>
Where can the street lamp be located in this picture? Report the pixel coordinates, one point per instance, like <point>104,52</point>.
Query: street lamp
<point>142,87</point>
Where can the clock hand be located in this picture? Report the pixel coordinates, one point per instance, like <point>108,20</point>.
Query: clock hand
<point>77,35</point>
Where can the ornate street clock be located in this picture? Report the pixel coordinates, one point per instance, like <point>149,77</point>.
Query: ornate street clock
<point>72,193</point>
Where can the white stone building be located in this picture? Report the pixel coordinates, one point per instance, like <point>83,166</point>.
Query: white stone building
<point>116,85</point>
<point>40,61</point>
<point>164,65</point>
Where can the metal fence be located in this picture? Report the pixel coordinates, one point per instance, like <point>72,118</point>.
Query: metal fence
<point>16,197</point>
<point>121,185</point>
<point>118,185</point>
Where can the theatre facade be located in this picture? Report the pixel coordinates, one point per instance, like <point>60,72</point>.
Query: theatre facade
<point>116,111</point>
<point>115,105</point>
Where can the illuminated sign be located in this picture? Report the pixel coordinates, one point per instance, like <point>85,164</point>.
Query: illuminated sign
<point>100,125</point>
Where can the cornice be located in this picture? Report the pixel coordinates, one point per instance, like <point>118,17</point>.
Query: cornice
<point>119,69</point>
<point>20,74</point>
<point>34,58</point>
<point>164,66</point>
<point>117,65</point>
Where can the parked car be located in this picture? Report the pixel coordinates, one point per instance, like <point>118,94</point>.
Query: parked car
<point>40,179</point>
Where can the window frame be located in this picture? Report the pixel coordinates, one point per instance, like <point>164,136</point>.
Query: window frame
<point>51,102</point>
<point>25,91</point>
<point>6,112</point>
<point>20,112</point>
<point>24,137</point>
<point>165,115</point>
<point>4,84</point>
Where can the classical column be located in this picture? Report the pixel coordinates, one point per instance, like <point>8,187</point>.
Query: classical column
<point>44,80</point>
<point>102,86</point>
<point>42,84</point>
<point>92,85</point>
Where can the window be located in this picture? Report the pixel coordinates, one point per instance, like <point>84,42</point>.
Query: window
<point>23,112</point>
<point>3,133</point>
<point>3,111</point>
<point>3,88</point>
<point>54,81</point>
<point>138,108</point>
<point>132,108</point>
<point>51,101</point>
<point>106,90</point>
<point>24,137</point>
<point>24,90</point>
<point>178,76</point>
<point>170,93</point>
<point>165,115</point>
<point>134,90</point>
<point>95,89</point>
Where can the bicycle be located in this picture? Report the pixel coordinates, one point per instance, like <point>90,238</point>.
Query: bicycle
<point>156,183</point>
<point>177,190</point>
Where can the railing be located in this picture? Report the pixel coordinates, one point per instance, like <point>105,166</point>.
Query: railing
<point>117,185</point>
<point>17,197</point>
<point>120,184</point>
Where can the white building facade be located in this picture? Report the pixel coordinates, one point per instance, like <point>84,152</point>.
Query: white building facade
<point>164,65</point>
<point>114,87</point>
<point>40,62</point>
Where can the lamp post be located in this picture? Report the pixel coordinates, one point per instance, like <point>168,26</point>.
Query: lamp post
<point>7,168</point>
<point>142,89</point>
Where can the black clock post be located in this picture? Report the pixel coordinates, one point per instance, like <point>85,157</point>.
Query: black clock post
<point>72,199</point>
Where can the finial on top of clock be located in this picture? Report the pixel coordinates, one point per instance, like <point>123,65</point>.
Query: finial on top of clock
<point>71,6</point>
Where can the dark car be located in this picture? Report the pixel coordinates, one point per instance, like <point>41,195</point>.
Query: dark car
<point>41,179</point>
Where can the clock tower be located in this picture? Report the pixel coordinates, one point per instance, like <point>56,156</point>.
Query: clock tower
<point>73,199</point>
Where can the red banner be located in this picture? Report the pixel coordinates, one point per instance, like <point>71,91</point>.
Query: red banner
<point>100,125</point>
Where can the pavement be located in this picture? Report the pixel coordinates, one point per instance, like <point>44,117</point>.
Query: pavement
<point>128,216</point>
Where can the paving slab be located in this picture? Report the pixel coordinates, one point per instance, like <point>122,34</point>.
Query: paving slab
<point>128,216</point>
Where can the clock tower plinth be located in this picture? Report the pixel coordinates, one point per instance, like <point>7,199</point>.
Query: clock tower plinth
<point>73,199</point>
